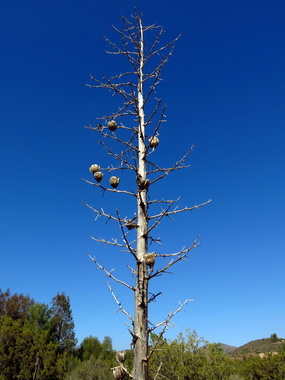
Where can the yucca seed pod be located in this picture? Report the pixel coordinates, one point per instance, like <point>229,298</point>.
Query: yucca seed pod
<point>114,181</point>
<point>144,184</point>
<point>98,176</point>
<point>153,142</point>
<point>149,259</point>
<point>130,224</point>
<point>112,125</point>
<point>94,168</point>
<point>118,373</point>
<point>121,356</point>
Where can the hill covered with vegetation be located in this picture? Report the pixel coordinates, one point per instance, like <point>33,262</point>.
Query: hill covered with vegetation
<point>260,346</point>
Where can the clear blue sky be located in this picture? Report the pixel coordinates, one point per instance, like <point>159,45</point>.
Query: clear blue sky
<point>225,91</point>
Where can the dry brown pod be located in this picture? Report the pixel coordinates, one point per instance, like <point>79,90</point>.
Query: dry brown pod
<point>114,181</point>
<point>118,373</point>
<point>149,258</point>
<point>131,224</point>
<point>153,142</point>
<point>112,125</point>
<point>121,356</point>
<point>144,184</point>
<point>94,168</point>
<point>98,176</point>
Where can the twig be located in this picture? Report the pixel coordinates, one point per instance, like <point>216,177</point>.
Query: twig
<point>121,308</point>
<point>109,274</point>
<point>166,323</point>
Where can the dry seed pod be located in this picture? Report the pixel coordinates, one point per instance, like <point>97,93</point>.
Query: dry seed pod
<point>94,168</point>
<point>112,125</point>
<point>121,356</point>
<point>149,259</point>
<point>153,142</point>
<point>118,373</point>
<point>98,176</point>
<point>144,184</point>
<point>130,224</point>
<point>114,181</point>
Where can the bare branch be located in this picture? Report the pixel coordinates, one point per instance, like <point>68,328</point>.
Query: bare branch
<point>162,201</point>
<point>124,52</point>
<point>108,189</point>
<point>101,212</point>
<point>177,211</point>
<point>161,216</point>
<point>109,273</point>
<point>178,256</point>
<point>153,297</point>
<point>165,324</point>
<point>156,41</point>
<point>169,44</point>
<point>113,242</point>
<point>121,308</point>
<point>118,157</point>
<point>133,252</point>
<point>158,372</point>
<point>178,165</point>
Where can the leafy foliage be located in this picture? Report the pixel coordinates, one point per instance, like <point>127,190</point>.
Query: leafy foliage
<point>37,342</point>
<point>30,346</point>
<point>63,322</point>
<point>270,367</point>
<point>92,369</point>
<point>189,357</point>
<point>96,360</point>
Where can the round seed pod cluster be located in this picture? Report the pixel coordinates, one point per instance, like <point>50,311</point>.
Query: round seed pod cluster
<point>153,142</point>
<point>114,181</point>
<point>95,170</point>
<point>112,125</point>
<point>149,259</point>
<point>98,176</point>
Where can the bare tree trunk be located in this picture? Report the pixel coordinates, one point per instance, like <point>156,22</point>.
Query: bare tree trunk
<point>141,293</point>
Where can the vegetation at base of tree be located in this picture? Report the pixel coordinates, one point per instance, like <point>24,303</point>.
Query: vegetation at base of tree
<point>95,368</point>
<point>37,342</point>
<point>189,357</point>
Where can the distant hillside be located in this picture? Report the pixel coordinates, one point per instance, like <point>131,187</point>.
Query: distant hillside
<point>227,349</point>
<point>259,346</point>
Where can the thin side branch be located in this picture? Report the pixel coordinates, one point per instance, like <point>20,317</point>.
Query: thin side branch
<point>165,324</point>
<point>178,165</point>
<point>121,308</point>
<point>113,242</point>
<point>101,212</point>
<point>178,256</point>
<point>109,273</point>
<point>108,189</point>
<point>132,251</point>
<point>177,211</point>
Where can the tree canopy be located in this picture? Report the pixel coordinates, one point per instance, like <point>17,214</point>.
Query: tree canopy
<point>36,340</point>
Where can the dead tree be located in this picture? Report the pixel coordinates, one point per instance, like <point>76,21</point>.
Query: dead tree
<point>135,128</point>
